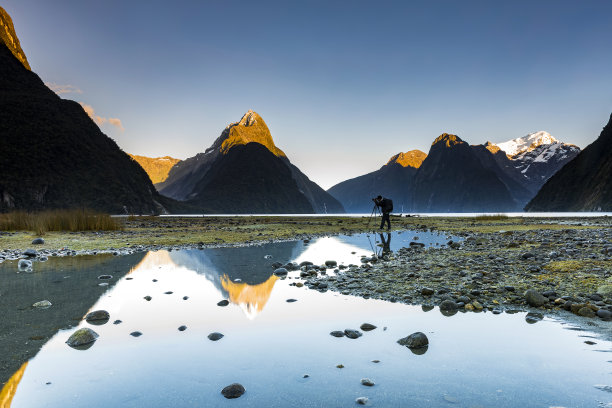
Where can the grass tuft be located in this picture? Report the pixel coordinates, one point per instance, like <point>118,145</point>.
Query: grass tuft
<point>58,220</point>
<point>491,217</point>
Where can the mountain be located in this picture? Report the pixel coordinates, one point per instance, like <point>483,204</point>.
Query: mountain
<point>453,179</point>
<point>244,172</point>
<point>52,155</point>
<point>157,168</point>
<point>537,157</point>
<point>494,159</point>
<point>583,184</point>
<point>394,180</point>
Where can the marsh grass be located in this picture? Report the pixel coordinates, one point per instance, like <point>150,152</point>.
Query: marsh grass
<point>58,220</point>
<point>491,217</point>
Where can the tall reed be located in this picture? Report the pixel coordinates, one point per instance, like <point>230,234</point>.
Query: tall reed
<point>58,220</point>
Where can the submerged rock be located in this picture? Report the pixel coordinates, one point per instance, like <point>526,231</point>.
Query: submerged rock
<point>367,327</point>
<point>233,391</point>
<point>415,340</point>
<point>24,264</point>
<point>82,337</point>
<point>352,334</point>
<point>98,317</point>
<point>43,304</point>
<point>215,336</point>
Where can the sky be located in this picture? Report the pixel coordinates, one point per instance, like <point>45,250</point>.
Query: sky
<point>342,85</point>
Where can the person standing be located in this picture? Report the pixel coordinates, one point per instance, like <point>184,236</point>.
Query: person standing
<point>386,206</point>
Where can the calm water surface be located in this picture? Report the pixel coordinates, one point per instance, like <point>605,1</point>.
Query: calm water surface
<point>473,360</point>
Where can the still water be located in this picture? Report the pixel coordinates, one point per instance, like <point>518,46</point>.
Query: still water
<point>282,353</point>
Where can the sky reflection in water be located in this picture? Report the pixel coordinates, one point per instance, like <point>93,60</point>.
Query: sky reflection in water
<point>269,344</point>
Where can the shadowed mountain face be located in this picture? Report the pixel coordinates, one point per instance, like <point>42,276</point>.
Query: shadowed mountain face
<point>157,168</point>
<point>244,172</point>
<point>395,180</point>
<point>453,179</point>
<point>52,155</point>
<point>583,184</point>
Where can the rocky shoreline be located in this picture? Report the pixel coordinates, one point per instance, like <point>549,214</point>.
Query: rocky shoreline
<point>546,272</point>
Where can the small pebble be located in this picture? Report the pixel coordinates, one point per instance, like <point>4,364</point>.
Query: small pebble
<point>182,328</point>
<point>362,400</point>
<point>367,382</point>
<point>224,302</point>
<point>136,334</point>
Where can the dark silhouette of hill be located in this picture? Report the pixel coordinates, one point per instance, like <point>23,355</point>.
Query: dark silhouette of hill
<point>244,172</point>
<point>583,184</point>
<point>496,160</point>
<point>453,179</point>
<point>52,155</point>
<point>394,180</point>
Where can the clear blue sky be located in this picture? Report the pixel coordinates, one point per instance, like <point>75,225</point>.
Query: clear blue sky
<point>342,85</point>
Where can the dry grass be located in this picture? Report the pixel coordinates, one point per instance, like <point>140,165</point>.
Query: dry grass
<point>58,220</point>
<point>491,217</point>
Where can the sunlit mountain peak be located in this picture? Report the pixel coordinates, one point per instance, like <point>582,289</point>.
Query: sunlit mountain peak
<point>413,158</point>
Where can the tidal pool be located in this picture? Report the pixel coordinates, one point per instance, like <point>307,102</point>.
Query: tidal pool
<point>282,352</point>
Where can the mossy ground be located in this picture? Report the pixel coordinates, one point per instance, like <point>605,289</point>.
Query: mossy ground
<point>174,231</point>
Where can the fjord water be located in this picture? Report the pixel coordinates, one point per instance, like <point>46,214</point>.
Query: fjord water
<point>282,353</point>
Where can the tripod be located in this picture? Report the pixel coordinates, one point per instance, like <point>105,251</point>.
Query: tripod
<point>375,213</point>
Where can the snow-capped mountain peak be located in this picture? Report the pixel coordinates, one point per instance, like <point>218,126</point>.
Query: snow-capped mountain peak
<point>527,143</point>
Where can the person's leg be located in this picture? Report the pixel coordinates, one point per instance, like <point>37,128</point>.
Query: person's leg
<point>388,222</point>
<point>382,221</point>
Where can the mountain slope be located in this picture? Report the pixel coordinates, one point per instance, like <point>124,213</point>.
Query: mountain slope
<point>583,184</point>
<point>494,159</point>
<point>537,157</point>
<point>157,168</point>
<point>8,36</point>
<point>394,180</point>
<point>245,167</point>
<point>52,155</point>
<point>452,179</point>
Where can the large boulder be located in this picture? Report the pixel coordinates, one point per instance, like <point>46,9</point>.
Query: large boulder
<point>535,298</point>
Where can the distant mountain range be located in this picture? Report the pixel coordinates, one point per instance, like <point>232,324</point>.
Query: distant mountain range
<point>52,155</point>
<point>244,172</point>
<point>157,168</point>
<point>456,177</point>
<point>584,184</point>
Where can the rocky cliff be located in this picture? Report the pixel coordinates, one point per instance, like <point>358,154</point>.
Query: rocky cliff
<point>8,37</point>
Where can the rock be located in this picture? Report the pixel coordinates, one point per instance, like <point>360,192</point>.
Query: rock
<point>367,382</point>
<point>527,255</point>
<point>281,272</point>
<point>367,327</point>
<point>97,317</point>
<point>331,264</point>
<point>291,300</point>
<point>534,298</point>
<point>415,340</point>
<point>448,306</point>
<point>362,400</point>
<point>43,304</point>
<point>185,297</point>
<point>427,291</point>
<point>233,391</point>
<point>168,292</point>
<point>604,314</point>
<point>215,336</point>
<point>82,337</point>
<point>148,298</point>
<point>117,321</point>
<point>24,264</point>
<point>105,277</point>
<point>136,334</point>
<point>32,253</point>
<point>340,366</point>
<point>532,318</point>
<point>337,333</point>
<point>182,328</point>
<point>224,302</point>
<point>38,241</point>
<point>352,334</point>
<point>605,291</point>
<point>586,312</point>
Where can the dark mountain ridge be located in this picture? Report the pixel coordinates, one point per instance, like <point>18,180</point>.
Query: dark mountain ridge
<point>583,184</point>
<point>52,155</point>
